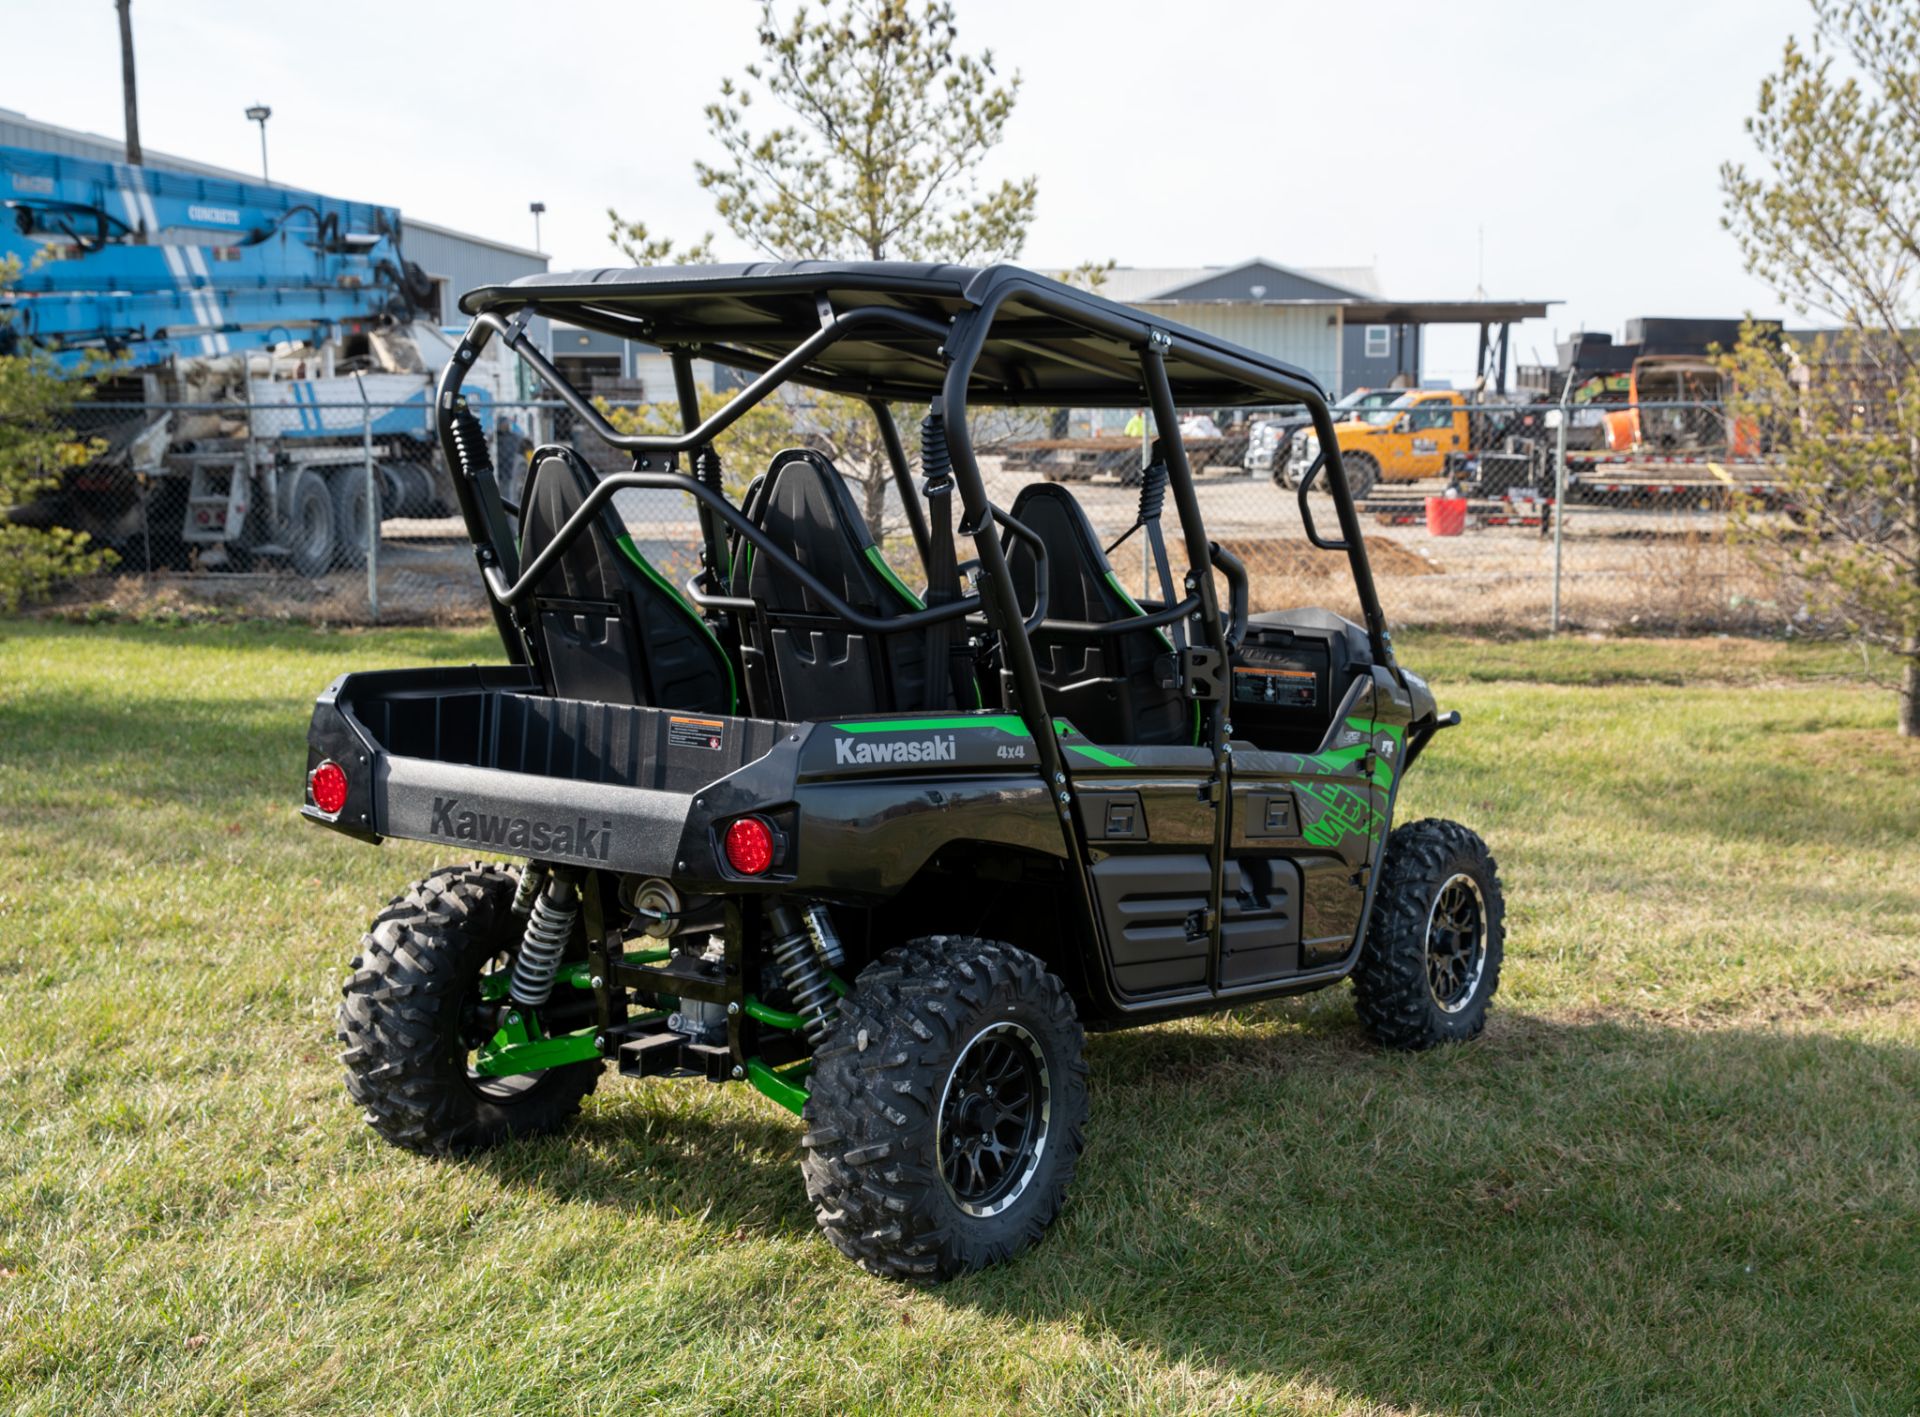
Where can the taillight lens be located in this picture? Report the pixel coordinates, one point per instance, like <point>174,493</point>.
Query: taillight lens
<point>328,784</point>
<point>749,845</point>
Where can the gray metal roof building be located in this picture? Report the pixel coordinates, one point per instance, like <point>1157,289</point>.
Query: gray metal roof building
<point>1331,321</point>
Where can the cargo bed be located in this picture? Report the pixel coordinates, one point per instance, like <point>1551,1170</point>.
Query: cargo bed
<point>473,756</point>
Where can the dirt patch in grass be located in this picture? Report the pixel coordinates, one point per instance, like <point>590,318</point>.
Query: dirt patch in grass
<point>1295,558</point>
<point>1838,747</point>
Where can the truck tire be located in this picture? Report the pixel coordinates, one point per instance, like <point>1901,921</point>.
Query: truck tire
<point>1431,961</point>
<point>407,1020</point>
<point>945,1109</point>
<point>311,521</point>
<point>1362,473</point>
<point>348,486</point>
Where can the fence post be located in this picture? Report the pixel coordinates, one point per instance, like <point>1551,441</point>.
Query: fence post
<point>1559,499</point>
<point>373,509</point>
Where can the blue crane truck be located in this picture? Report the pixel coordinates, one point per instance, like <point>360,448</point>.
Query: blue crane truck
<point>296,313</point>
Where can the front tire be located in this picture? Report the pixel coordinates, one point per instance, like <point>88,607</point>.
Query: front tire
<point>408,1018</point>
<point>945,1111</point>
<point>1431,962</point>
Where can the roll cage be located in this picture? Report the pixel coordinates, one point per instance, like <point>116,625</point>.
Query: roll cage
<point>952,337</point>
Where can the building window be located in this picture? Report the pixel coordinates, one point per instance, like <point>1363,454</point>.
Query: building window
<point>1379,341</point>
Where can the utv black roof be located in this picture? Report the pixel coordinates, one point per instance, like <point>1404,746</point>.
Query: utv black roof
<point>1050,344</point>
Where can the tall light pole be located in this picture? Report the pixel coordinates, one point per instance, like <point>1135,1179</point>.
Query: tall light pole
<point>260,113</point>
<point>126,82</point>
<point>536,208</point>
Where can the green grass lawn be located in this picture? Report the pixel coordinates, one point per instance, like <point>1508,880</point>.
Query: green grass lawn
<point>1681,1171</point>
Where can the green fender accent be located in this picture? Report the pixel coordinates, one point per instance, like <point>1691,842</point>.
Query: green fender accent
<point>784,1086</point>
<point>645,567</point>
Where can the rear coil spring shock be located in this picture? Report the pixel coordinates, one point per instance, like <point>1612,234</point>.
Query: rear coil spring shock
<point>470,442</point>
<point>549,927</point>
<point>806,974</point>
<point>532,879</point>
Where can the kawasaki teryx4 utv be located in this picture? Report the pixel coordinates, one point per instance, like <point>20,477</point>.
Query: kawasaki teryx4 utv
<point>880,852</point>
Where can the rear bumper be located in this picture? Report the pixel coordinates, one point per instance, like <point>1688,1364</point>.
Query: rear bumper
<point>633,829</point>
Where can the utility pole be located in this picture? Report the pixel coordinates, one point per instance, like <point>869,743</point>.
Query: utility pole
<point>126,80</point>
<point>536,208</point>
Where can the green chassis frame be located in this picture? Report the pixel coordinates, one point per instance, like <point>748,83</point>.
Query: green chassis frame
<point>519,1047</point>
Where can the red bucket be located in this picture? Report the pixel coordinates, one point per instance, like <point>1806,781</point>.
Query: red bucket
<point>1446,516</point>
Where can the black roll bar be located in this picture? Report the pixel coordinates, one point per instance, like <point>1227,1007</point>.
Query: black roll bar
<point>1306,512</point>
<point>902,476</point>
<point>830,332</point>
<point>688,393</point>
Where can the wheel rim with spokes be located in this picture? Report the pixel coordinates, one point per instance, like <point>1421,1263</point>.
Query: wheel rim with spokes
<point>1456,942</point>
<point>993,1121</point>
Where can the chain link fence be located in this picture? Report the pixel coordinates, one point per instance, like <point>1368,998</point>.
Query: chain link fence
<point>1485,515</point>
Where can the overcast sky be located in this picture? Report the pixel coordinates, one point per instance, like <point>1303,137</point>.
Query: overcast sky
<point>1584,141</point>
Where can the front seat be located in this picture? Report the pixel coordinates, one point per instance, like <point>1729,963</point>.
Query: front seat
<point>802,661</point>
<point>1116,688</point>
<point>611,628</point>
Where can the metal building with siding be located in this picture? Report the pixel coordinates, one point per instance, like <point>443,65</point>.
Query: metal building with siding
<point>1331,321</point>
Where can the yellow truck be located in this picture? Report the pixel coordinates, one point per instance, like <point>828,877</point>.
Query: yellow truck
<point>1409,439</point>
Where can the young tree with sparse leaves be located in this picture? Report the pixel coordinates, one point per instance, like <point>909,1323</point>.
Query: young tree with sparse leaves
<point>1831,219</point>
<point>859,134</point>
<point>36,449</point>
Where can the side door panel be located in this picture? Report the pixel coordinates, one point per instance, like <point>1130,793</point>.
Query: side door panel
<point>1302,835</point>
<point>1149,822</point>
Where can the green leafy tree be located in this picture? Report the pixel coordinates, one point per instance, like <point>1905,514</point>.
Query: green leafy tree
<point>875,130</point>
<point>1830,217</point>
<point>36,449</point>
<point>745,449</point>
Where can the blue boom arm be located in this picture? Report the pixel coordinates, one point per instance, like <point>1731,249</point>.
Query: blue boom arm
<point>149,265</point>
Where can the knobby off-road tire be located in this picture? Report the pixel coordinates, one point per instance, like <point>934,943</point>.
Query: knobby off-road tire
<point>1431,961</point>
<point>407,1020</point>
<point>900,1101</point>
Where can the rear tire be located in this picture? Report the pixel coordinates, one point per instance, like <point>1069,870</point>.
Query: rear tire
<point>945,1110</point>
<point>1431,962</point>
<point>407,1020</point>
<point>311,522</point>
<point>349,488</point>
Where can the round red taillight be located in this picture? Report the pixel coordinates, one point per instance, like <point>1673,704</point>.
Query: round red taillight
<point>328,784</point>
<point>749,845</point>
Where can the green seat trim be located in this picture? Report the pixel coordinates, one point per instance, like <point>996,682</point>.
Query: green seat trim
<point>879,563</point>
<point>645,567</point>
